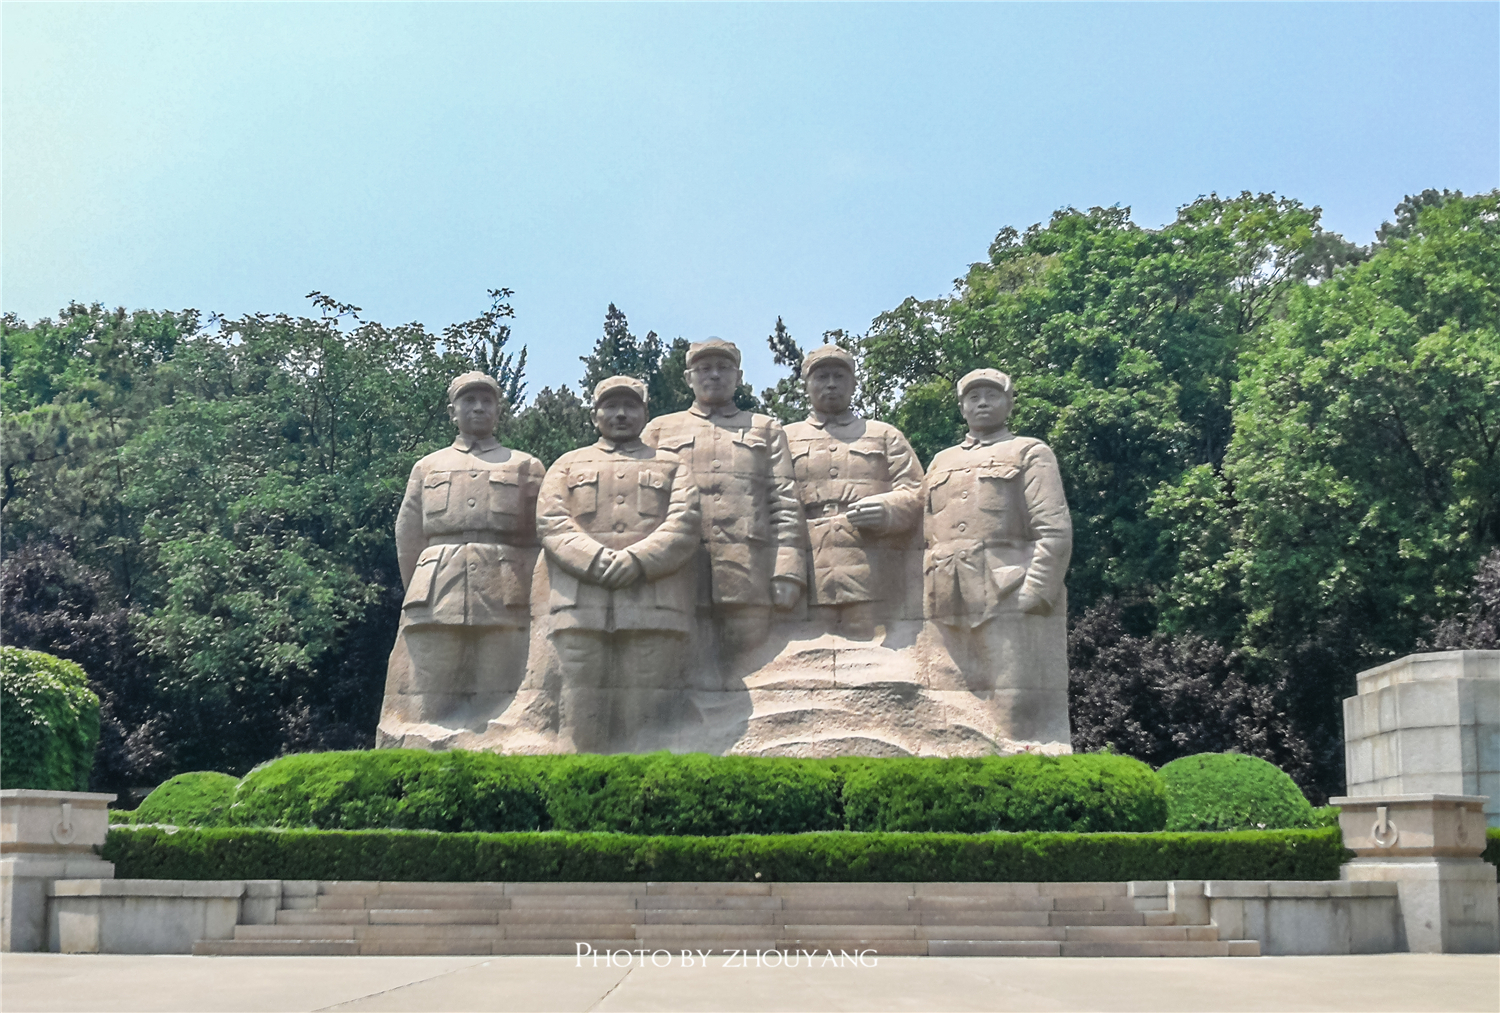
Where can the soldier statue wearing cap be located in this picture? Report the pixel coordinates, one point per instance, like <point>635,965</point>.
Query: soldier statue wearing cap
<point>619,522</point>
<point>998,536</point>
<point>466,544</point>
<point>860,486</point>
<point>752,522</point>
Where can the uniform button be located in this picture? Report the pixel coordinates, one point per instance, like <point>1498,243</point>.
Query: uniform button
<point>718,435</point>
<point>472,567</point>
<point>717,497</point>
<point>471,502</point>
<point>620,474</point>
<point>473,474</point>
<point>964,496</point>
<point>619,527</point>
<point>967,470</point>
<point>716,464</point>
<point>620,498</point>
<point>962,526</point>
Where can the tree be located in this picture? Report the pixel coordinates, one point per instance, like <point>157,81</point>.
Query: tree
<point>787,401</point>
<point>1478,627</point>
<point>619,353</point>
<point>483,339</point>
<point>556,422</point>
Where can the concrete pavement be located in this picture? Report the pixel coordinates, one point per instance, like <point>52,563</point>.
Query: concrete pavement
<point>1368,984</point>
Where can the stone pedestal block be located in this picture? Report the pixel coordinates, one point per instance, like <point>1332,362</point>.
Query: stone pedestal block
<point>1427,723</point>
<point>1429,845</point>
<point>45,836</point>
<point>150,915</point>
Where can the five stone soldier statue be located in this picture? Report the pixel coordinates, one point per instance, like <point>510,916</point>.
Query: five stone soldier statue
<point>466,543</point>
<point>619,521</point>
<point>752,522</point>
<point>998,537</point>
<point>860,486</point>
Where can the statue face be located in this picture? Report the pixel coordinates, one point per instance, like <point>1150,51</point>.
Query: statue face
<point>830,387</point>
<point>714,379</point>
<point>476,412</point>
<point>986,407</point>
<point>620,416</point>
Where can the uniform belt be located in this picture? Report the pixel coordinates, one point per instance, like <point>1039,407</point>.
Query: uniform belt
<point>473,538</point>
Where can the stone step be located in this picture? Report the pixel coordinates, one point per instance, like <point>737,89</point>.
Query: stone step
<point>1162,948</point>
<point>275,948</point>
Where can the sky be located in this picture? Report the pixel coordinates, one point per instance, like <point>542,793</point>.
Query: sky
<point>705,167</point>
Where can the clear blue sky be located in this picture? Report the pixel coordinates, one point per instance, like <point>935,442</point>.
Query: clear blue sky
<point>705,167</point>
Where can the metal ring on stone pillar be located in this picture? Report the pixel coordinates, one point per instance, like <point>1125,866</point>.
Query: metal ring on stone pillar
<point>1381,825</point>
<point>63,831</point>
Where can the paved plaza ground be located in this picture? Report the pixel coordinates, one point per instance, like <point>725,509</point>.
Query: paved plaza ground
<point>1367,984</point>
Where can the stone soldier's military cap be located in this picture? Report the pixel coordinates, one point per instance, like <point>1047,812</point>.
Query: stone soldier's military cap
<point>993,377</point>
<point>713,346</point>
<point>464,381</point>
<point>823,354</point>
<point>625,383</point>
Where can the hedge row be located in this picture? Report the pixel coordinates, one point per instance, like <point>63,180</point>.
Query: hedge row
<point>227,853</point>
<point>662,793</point>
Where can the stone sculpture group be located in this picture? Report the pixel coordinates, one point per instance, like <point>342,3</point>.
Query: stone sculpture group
<point>711,581</point>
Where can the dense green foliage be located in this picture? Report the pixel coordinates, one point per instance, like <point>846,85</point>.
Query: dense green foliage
<point>695,794</point>
<point>395,788</point>
<point>198,799</point>
<point>1280,450</point>
<point>393,855</point>
<point>1229,791</point>
<point>1082,794</point>
<point>49,722</point>
<point>666,794</point>
<point>1492,846</point>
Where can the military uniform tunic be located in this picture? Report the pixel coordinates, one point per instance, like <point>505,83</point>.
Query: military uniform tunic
<point>751,520</point>
<point>620,496</point>
<point>466,535</point>
<point>839,461</point>
<point>996,523</point>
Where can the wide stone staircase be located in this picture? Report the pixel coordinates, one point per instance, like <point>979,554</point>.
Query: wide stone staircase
<point>883,919</point>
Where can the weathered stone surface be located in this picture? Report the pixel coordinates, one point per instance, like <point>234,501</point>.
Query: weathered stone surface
<point>45,836</point>
<point>1427,723</point>
<point>830,600</point>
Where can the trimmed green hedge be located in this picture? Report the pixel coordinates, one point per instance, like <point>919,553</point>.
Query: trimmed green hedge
<point>200,799</point>
<point>49,722</point>
<point>1231,791</point>
<point>1086,793</point>
<point>393,855</point>
<point>662,793</point>
<point>1492,846</point>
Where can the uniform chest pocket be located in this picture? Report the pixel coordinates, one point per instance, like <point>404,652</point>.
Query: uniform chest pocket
<point>654,490</point>
<point>749,454</point>
<point>435,491</point>
<point>505,492</point>
<point>997,487</point>
<point>802,461</point>
<point>867,462</point>
<point>583,491</point>
<point>938,491</point>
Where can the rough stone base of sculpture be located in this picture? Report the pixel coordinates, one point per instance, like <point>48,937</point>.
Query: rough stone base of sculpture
<point>809,693</point>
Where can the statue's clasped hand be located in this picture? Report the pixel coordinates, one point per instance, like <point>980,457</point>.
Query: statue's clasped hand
<point>867,513</point>
<point>615,569</point>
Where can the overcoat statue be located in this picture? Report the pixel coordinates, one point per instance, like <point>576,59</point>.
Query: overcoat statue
<point>998,538</point>
<point>619,522</point>
<point>466,544</point>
